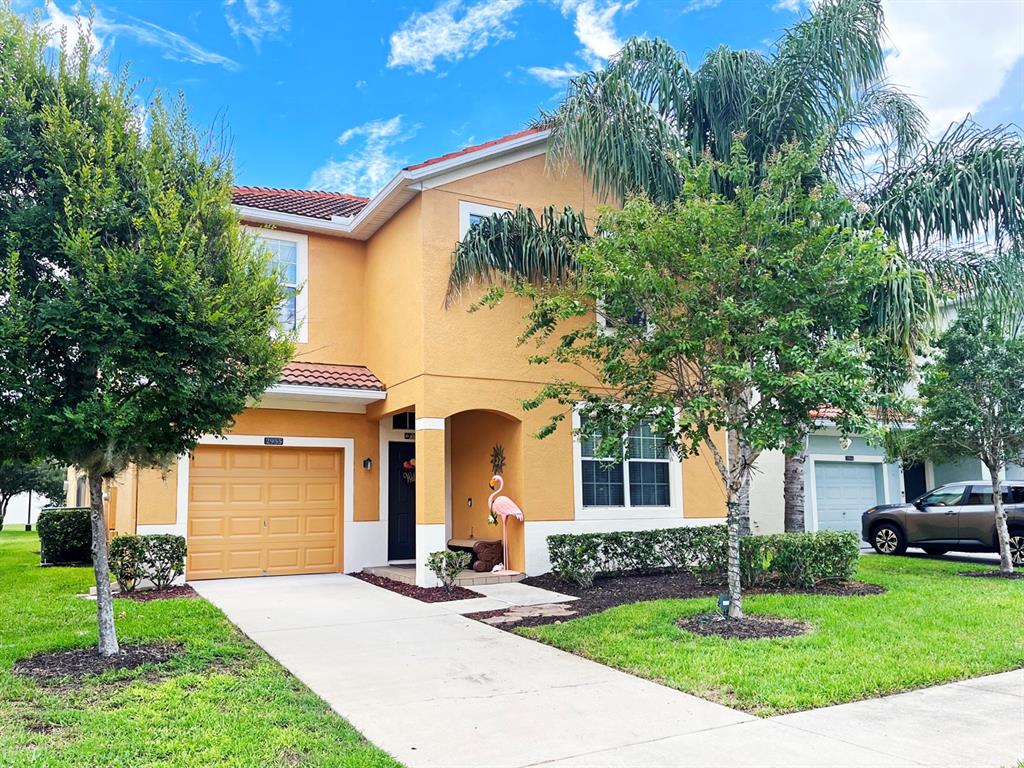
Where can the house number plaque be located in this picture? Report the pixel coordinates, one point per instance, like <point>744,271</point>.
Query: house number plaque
<point>273,441</point>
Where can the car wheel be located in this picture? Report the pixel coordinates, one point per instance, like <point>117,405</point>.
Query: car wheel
<point>1017,548</point>
<point>887,539</point>
<point>935,551</point>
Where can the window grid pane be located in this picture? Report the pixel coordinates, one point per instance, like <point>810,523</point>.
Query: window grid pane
<point>644,444</point>
<point>284,261</point>
<point>602,484</point>
<point>648,484</point>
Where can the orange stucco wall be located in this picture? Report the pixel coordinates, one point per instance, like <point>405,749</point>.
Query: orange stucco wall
<point>156,499</point>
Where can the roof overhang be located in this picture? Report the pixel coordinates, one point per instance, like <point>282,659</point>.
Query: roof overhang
<point>301,397</point>
<point>404,187</point>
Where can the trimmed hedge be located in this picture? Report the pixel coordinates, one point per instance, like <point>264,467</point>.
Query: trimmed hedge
<point>65,535</point>
<point>789,559</point>
<point>157,557</point>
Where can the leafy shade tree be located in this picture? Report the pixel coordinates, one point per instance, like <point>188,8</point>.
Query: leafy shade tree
<point>973,395</point>
<point>737,314</point>
<point>954,205</point>
<point>135,315</point>
<point>44,478</point>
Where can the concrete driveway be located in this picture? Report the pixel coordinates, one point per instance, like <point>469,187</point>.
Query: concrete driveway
<point>434,688</point>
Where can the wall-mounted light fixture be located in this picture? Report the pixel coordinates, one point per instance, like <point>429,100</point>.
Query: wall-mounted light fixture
<point>845,442</point>
<point>367,463</point>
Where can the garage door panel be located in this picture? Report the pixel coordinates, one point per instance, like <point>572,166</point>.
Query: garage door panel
<point>843,490</point>
<point>320,524</point>
<point>261,511</point>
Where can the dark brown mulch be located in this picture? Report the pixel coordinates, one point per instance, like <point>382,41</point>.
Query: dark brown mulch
<point>159,594</point>
<point>747,628</point>
<point>610,591</point>
<point>76,663</point>
<point>994,575</point>
<point>423,594</point>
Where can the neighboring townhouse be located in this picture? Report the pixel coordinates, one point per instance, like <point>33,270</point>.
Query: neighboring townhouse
<point>374,447</point>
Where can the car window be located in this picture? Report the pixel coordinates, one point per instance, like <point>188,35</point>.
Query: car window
<point>944,497</point>
<point>981,495</point>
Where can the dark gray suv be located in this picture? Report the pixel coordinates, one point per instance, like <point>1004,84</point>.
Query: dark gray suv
<point>957,516</point>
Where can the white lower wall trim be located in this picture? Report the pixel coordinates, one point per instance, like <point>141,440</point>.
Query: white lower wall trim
<point>429,538</point>
<point>366,544</point>
<point>429,423</point>
<point>177,529</point>
<point>536,532</point>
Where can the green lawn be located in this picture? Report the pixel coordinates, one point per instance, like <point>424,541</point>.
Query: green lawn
<point>932,626</point>
<point>223,703</point>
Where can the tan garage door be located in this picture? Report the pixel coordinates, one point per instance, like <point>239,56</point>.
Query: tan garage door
<point>263,512</point>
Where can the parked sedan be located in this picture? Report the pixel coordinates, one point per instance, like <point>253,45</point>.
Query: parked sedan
<point>957,516</point>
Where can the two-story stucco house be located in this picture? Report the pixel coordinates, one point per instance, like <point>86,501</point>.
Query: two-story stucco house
<point>375,445</point>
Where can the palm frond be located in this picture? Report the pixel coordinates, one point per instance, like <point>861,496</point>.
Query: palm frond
<point>624,141</point>
<point>882,125</point>
<point>967,185</point>
<point>518,247</point>
<point>820,66</point>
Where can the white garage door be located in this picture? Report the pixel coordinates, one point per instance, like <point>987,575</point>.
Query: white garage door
<point>843,491</point>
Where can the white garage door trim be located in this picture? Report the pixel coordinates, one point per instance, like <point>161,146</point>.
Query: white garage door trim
<point>347,444</point>
<point>812,459</point>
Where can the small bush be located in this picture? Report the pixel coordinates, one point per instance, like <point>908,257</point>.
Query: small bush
<point>128,561</point>
<point>788,559</point>
<point>447,565</point>
<point>164,558</point>
<point>65,535</point>
<point>576,557</point>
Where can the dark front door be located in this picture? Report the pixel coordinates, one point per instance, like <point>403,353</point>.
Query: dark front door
<point>401,502</point>
<point>914,482</point>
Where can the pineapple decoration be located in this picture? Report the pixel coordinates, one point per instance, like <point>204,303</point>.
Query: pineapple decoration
<point>497,467</point>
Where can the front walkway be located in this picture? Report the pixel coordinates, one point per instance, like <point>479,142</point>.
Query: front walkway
<point>434,688</point>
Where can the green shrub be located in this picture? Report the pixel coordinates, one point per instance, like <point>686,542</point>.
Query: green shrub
<point>65,535</point>
<point>164,558</point>
<point>576,557</point>
<point>447,565</point>
<point>128,561</point>
<point>788,559</point>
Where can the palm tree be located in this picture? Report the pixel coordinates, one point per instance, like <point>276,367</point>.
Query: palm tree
<point>954,205</point>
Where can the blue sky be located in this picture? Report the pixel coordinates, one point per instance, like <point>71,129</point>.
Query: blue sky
<point>340,95</point>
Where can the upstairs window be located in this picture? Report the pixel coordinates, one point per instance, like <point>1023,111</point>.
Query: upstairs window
<point>289,260</point>
<point>473,213</point>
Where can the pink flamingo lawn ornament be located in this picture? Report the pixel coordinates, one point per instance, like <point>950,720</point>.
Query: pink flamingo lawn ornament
<point>505,508</point>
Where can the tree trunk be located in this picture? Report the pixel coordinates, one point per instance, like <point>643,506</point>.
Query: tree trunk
<point>793,492</point>
<point>733,566</point>
<point>4,502</point>
<point>1002,533</point>
<point>743,511</point>
<point>101,567</point>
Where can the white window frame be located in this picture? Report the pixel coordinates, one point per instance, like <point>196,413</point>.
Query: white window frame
<point>468,209</point>
<point>301,274</point>
<point>674,509</point>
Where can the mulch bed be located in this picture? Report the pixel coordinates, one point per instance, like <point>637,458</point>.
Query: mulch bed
<point>145,596</point>
<point>994,575</point>
<point>423,594</point>
<point>610,591</point>
<point>747,628</point>
<point>79,662</point>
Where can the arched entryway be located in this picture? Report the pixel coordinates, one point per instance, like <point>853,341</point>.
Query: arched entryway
<point>474,435</point>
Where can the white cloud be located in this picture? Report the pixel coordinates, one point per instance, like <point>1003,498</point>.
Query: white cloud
<point>370,164</point>
<point>953,56</point>
<point>594,24</point>
<point>702,5</point>
<point>793,6</point>
<point>174,46</point>
<point>554,76</point>
<point>256,19</point>
<point>438,34</point>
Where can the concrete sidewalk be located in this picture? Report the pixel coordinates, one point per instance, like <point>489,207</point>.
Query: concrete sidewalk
<point>434,688</point>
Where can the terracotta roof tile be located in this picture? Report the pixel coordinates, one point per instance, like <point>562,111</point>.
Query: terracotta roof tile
<point>474,148</point>
<point>327,375</point>
<point>301,202</point>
